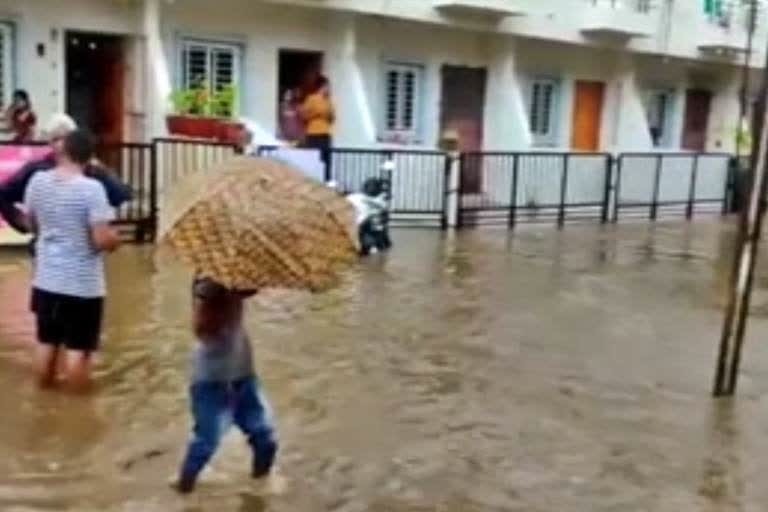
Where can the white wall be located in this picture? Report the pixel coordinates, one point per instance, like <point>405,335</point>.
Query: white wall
<point>45,22</point>
<point>563,21</point>
<point>262,31</point>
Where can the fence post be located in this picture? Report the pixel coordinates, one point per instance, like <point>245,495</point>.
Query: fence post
<point>656,186</point>
<point>607,189</point>
<point>692,190</point>
<point>456,164</point>
<point>513,201</point>
<point>730,184</point>
<point>617,188</point>
<point>447,168</point>
<point>153,170</point>
<point>563,191</point>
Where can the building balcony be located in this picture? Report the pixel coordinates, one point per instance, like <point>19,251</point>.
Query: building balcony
<point>619,19</point>
<point>489,8</point>
<point>726,31</point>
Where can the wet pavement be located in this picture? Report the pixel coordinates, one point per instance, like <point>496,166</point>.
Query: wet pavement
<point>545,372</point>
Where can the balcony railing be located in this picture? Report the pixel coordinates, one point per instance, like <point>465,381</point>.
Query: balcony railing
<point>737,13</point>
<point>642,6</point>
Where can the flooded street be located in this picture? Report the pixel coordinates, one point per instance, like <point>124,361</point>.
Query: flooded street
<point>541,372</point>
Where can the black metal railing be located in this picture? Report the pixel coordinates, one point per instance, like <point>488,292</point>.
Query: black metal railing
<point>135,164</point>
<point>655,184</point>
<point>508,188</point>
<point>501,188</point>
<point>417,181</point>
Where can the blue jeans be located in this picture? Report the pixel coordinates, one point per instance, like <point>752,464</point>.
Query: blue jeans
<point>213,405</point>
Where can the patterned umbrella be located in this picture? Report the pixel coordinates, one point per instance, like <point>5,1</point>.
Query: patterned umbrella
<point>253,223</point>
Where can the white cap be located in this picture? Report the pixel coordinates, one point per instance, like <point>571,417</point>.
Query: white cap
<point>59,125</point>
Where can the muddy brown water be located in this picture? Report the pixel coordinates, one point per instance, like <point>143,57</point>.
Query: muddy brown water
<point>549,371</point>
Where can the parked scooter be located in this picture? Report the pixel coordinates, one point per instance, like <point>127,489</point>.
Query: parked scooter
<point>372,215</point>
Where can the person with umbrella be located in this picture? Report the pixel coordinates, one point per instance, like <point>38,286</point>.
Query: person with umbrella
<point>224,384</point>
<point>246,224</point>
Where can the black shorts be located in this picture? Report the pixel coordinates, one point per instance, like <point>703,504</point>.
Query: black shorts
<point>74,322</point>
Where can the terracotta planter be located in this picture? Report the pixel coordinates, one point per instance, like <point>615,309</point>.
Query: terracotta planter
<point>193,126</point>
<point>230,132</point>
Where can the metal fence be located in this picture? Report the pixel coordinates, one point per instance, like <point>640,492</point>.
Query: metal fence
<point>538,187</point>
<point>417,181</point>
<point>484,188</point>
<point>179,157</point>
<point>135,164</point>
<point>663,184</point>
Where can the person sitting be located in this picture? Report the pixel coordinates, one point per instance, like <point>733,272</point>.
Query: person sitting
<point>20,118</point>
<point>372,216</point>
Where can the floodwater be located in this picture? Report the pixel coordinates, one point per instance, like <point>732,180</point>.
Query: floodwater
<point>548,371</point>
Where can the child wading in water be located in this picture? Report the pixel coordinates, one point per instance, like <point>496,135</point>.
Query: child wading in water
<point>224,384</point>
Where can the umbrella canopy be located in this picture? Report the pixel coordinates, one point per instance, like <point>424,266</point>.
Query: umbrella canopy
<point>253,223</point>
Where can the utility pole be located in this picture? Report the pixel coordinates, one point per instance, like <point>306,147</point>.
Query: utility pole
<point>752,14</point>
<point>748,239</point>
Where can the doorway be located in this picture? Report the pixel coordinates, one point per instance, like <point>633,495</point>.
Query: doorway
<point>587,115</point>
<point>462,106</point>
<point>697,105</point>
<point>294,66</point>
<point>95,84</point>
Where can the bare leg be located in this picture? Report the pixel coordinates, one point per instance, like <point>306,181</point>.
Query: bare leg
<point>47,365</point>
<point>79,370</point>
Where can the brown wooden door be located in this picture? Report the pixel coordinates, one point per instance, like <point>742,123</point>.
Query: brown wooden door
<point>463,102</point>
<point>697,105</point>
<point>95,73</point>
<point>587,116</point>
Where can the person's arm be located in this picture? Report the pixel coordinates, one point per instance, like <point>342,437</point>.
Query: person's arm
<point>100,214</point>
<point>13,192</point>
<point>117,191</point>
<point>27,217</point>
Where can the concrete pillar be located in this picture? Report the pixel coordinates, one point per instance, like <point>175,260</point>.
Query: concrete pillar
<point>506,119</point>
<point>629,123</point>
<point>354,116</point>
<point>159,77</point>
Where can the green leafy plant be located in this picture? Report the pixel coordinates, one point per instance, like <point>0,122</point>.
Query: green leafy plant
<point>224,102</point>
<point>195,100</point>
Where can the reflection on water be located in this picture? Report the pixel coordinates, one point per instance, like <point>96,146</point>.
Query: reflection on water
<point>542,372</point>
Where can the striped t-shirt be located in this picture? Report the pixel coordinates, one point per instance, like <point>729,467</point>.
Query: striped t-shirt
<point>64,208</point>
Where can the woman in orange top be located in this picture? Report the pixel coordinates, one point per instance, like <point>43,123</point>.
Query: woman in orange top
<point>318,115</point>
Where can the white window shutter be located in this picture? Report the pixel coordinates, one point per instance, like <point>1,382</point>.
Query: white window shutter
<point>542,110</point>
<point>6,65</point>
<point>402,101</point>
<point>210,64</point>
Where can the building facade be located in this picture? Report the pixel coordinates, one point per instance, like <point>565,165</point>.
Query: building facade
<point>585,75</point>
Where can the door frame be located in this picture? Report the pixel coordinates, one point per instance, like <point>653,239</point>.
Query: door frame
<point>442,120</point>
<point>600,116</point>
<point>124,40</point>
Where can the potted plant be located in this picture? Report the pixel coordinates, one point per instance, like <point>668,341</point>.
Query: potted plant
<point>223,105</point>
<point>202,114</point>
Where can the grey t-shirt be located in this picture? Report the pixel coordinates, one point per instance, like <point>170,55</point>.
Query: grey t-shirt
<point>224,358</point>
<point>65,208</point>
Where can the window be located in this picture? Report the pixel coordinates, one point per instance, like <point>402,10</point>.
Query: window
<point>402,101</point>
<point>6,64</point>
<point>543,98</point>
<point>658,110</point>
<point>210,65</point>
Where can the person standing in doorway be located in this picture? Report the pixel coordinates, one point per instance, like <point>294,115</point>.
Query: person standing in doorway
<point>20,119</point>
<point>70,214</point>
<point>318,115</point>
